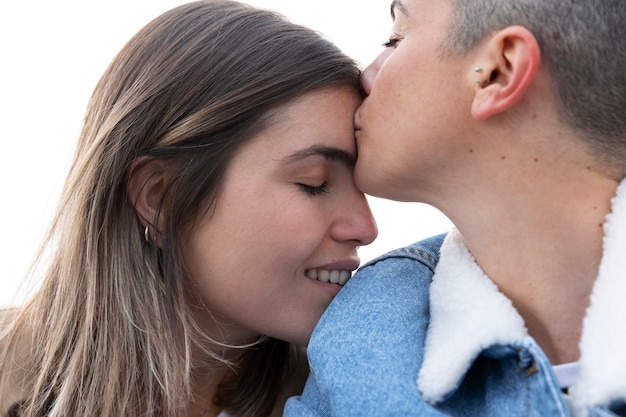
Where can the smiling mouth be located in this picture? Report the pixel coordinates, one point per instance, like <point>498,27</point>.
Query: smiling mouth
<point>335,276</point>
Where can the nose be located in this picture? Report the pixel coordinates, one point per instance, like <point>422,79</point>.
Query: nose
<point>355,221</point>
<point>368,76</point>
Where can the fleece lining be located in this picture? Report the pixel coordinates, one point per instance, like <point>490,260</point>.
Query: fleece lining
<point>603,342</point>
<point>470,314</point>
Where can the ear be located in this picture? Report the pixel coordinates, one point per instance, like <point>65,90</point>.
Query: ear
<point>147,181</point>
<point>513,56</point>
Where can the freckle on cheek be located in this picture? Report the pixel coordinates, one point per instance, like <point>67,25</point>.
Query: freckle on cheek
<point>503,157</point>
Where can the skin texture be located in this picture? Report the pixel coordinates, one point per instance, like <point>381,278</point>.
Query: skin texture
<point>288,204</point>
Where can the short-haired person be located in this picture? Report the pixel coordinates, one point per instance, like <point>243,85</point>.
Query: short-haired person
<point>510,117</point>
<point>208,219</point>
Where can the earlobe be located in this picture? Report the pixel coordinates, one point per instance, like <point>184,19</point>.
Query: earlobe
<point>147,181</point>
<point>513,55</point>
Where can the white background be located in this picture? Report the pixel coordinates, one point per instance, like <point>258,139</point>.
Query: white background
<point>53,53</point>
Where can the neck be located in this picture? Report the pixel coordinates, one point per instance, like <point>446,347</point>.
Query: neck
<point>206,385</point>
<point>538,236</point>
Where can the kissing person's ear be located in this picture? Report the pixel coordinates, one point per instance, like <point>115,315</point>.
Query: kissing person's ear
<point>513,58</point>
<point>148,179</point>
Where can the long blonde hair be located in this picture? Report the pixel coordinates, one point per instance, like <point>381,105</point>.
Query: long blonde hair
<point>110,329</point>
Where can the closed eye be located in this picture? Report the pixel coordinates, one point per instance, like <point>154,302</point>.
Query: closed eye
<point>314,190</point>
<point>391,43</point>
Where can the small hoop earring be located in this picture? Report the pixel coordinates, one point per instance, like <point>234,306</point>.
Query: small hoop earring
<point>146,234</point>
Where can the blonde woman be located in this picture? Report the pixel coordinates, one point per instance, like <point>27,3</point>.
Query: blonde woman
<point>209,218</point>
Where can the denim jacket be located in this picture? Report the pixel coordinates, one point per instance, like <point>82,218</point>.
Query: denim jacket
<point>422,331</point>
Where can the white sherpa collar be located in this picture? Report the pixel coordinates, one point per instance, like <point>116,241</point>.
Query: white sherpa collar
<point>603,342</point>
<point>469,314</point>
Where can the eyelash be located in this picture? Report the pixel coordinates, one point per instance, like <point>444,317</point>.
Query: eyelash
<point>314,190</point>
<point>391,43</point>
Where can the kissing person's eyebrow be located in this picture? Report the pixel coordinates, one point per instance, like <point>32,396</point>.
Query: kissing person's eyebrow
<point>397,4</point>
<point>330,153</point>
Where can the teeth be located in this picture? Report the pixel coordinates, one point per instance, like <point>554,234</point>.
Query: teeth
<point>323,276</point>
<point>335,276</point>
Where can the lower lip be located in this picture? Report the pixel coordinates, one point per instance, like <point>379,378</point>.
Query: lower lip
<point>329,287</point>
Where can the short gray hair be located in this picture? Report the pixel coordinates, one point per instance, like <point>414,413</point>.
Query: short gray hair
<point>583,46</point>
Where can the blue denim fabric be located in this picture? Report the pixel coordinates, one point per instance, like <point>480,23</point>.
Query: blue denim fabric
<point>367,349</point>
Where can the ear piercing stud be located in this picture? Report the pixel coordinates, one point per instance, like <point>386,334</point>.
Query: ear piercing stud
<point>480,83</point>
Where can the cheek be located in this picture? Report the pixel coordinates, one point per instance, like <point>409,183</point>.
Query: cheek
<point>271,239</point>
<point>250,273</point>
<point>396,74</point>
<point>389,109</point>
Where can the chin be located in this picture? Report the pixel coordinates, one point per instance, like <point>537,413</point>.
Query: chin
<point>301,339</point>
<point>298,334</point>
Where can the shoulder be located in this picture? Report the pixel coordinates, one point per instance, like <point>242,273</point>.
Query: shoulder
<point>401,274</point>
<point>387,285</point>
<point>387,300</point>
<point>422,254</point>
<point>372,335</point>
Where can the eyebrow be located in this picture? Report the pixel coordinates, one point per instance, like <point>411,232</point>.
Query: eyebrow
<point>328,152</point>
<point>397,4</point>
